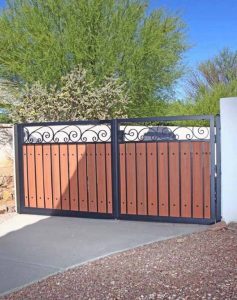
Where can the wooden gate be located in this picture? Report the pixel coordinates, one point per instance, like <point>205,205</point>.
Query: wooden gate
<point>66,169</point>
<point>167,169</point>
<point>161,169</point>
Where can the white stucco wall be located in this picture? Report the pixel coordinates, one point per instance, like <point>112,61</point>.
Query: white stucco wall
<point>228,110</point>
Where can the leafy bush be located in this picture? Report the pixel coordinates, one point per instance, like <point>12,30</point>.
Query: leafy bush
<point>76,98</point>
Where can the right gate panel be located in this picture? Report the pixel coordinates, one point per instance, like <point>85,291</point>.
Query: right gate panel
<point>165,179</point>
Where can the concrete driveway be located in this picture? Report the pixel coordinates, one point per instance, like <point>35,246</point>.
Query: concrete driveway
<point>32,247</point>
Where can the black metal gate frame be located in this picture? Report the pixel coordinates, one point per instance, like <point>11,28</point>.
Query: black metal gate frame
<point>115,124</point>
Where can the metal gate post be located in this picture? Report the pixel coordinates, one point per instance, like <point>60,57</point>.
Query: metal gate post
<point>218,169</point>
<point>19,183</point>
<point>213,168</point>
<point>115,167</point>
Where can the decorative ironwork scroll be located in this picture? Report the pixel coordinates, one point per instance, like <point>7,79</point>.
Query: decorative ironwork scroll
<point>67,134</point>
<point>168,133</point>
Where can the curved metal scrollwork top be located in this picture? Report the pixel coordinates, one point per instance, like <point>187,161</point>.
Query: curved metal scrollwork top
<point>67,134</point>
<point>164,133</point>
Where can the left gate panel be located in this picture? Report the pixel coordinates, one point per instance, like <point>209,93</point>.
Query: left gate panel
<point>63,177</point>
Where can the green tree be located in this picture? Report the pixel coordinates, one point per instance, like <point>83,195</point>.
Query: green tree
<point>214,79</point>
<point>222,69</point>
<point>42,40</point>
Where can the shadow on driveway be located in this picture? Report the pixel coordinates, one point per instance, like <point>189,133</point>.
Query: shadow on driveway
<point>32,247</point>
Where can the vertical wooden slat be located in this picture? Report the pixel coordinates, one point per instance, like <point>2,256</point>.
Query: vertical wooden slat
<point>73,182</point>
<point>197,180</point>
<point>64,177</point>
<point>152,179</point>
<point>163,179</point>
<point>56,177</point>
<point>25,171</point>
<point>91,173</point>
<point>47,177</point>
<point>31,175</point>
<point>101,177</point>
<point>131,178</point>
<point>186,190</point>
<point>109,178</point>
<point>207,179</point>
<point>141,179</point>
<point>82,177</point>
<point>39,176</point>
<point>174,179</point>
<point>123,201</point>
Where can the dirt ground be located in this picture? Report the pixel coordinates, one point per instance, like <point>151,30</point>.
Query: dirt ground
<point>198,266</point>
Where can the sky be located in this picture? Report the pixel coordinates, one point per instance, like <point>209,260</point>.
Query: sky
<point>211,26</point>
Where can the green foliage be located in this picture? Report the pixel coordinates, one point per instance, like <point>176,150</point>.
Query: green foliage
<point>222,69</point>
<point>214,79</point>
<point>208,102</point>
<point>42,40</point>
<point>76,98</point>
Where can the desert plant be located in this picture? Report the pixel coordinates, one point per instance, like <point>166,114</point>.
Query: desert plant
<point>76,98</point>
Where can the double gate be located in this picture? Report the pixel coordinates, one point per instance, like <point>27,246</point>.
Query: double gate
<point>161,169</point>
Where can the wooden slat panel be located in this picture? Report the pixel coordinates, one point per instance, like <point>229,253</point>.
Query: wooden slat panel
<point>197,180</point>
<point>25,174</point>
<point>64,177</point>
<point>174,179</point>
<point>31,175</point>
<point>109,178</point>
<point>91,173</point>
<point>141,179</point>
<point>123,201</point>
<point>82,177</point>
<point>186,188</point>
<point>207,179</point>
<point>73,181</point>
<point>152,179</point>
<point>101,177</point>
<point>48,197</point>
<point>56,177</point>
<point>39,175</point>
<point>163,179</point>
<point>131,178</point>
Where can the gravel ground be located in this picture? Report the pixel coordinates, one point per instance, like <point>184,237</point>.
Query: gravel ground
<point>197,266</point>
